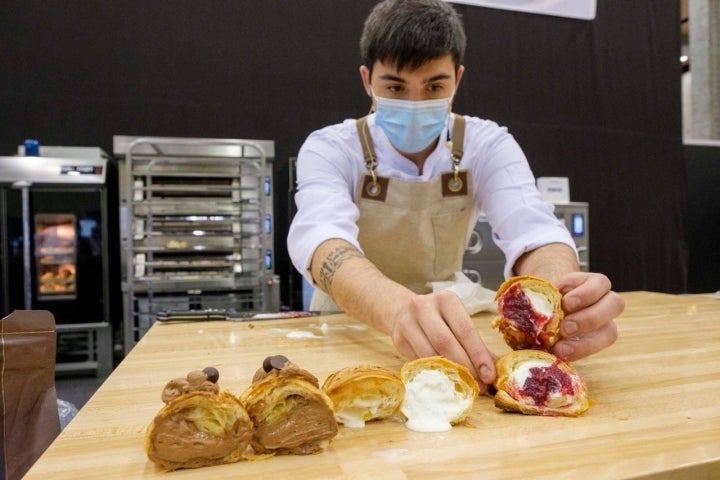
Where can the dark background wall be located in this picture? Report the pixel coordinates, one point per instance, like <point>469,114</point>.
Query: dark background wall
<point>596,101</point>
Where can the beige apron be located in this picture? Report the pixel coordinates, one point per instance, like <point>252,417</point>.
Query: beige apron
<point>413,232</point>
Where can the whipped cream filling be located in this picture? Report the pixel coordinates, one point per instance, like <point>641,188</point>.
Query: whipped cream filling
<point>431,402</point>
<point>361,409</point>
<point>539,303</point>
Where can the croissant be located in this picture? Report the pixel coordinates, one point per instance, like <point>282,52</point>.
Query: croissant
<point>530,313</point>
<point>199,426</point>
<point>439,393</point>
<point>534,382</point>
<point>364,393</point>
<point>290,412</point>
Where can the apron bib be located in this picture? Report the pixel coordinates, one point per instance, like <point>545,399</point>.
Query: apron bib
<point>413,232</point>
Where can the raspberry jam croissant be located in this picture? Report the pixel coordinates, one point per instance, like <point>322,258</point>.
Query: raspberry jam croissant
<point>199,425</point>
<point>290,412</point>
<point>364,393</point>
<point>539,383</point>
<point>530,313</point>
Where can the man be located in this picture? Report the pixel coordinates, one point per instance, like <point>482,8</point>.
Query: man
<point>386,203</point>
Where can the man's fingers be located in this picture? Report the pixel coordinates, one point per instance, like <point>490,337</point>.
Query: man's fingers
<point>575,348</point>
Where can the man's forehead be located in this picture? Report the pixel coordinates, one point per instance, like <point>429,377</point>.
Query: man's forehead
<point>433,70</point>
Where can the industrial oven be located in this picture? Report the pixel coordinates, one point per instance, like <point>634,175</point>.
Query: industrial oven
<point>484,262</point>
<point>54,249</point>
<point>196,228</point>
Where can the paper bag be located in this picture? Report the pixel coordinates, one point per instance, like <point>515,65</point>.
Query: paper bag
<point>28,402</point>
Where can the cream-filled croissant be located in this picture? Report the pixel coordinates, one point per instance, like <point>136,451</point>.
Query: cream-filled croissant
<point>530,313</point>
<point>363,393</point>
<point>199,425</point>
<point>534,382</point>
<point>290,412</point>
<point>439,393</point>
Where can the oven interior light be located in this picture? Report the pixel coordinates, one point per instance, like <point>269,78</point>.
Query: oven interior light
<point>198,233</point>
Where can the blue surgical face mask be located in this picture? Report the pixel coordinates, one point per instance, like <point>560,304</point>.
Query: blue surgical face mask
<point>412,125</point>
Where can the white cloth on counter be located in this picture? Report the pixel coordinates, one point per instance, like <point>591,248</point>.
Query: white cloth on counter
<point>474,296</point>
<point>330,165</point>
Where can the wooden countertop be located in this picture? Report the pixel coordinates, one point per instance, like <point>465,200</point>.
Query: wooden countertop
<point>656,413</point>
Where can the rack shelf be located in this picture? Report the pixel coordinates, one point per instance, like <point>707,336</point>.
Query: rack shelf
<point>196,227</point>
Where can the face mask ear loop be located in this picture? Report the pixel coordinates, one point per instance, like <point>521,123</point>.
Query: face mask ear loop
<point>372,101</point>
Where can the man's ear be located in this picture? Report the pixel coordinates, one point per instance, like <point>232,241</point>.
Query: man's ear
<point>458,76</point>
<point>365,75</point>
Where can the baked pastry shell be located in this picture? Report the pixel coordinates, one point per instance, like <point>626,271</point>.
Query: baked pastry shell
<point>373,384</point>
<point>460,375</point>
<point>506,386</point>
<point>515,337</point>
<point>221,406</point>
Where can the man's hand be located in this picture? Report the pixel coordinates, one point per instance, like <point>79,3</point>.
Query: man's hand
<point>419,325</point>
<point>590,309</point>
<point>437,324</point>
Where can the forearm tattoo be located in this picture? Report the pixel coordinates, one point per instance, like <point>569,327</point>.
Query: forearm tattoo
<point>332,264</point>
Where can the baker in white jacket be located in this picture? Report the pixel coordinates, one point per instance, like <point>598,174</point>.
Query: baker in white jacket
<point>386,203</point>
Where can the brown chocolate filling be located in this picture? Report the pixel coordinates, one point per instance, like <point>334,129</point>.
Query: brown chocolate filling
<point>179,444</point>
<point>307,424</point>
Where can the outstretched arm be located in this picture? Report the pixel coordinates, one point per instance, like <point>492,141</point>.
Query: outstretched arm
<point>419,325</point>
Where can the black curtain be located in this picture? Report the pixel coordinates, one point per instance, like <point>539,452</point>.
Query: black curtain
<point>596,101</point>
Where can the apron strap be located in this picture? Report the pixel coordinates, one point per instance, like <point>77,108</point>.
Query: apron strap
<point>371,187</point>
<point>367,145</point>
<point>458,137</point>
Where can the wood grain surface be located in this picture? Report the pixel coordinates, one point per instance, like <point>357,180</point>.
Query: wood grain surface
<point>656,411</point>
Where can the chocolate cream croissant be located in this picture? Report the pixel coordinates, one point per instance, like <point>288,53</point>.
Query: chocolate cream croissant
<point>534,382</point>
<point>363,393</point>
<point>439,393</point>
<point>530,313</point>
<point>199,426</point>
<point>290,412</point>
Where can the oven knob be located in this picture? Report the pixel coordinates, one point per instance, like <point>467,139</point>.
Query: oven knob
<point>475,244</point>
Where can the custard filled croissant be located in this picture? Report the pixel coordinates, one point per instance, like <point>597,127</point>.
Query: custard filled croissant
<point>290,412</point>
<point>439,393</point>
<point>199,425</point>
<point>530,313</point>
<point>534,382</point>
<point>364,393</point>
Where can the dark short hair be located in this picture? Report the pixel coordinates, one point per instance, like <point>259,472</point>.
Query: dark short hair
<point>409,33</point>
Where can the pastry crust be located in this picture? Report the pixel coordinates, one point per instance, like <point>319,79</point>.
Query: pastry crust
<point>534,382</point>
<point>364,393</point>
<point>462,380</point>
<point>199,429</point>
<point>290,412</point>
<point>520,322</point>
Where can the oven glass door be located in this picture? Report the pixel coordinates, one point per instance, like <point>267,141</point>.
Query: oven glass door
<point>56,256</point>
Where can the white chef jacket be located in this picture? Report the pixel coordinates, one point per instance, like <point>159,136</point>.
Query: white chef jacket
<point>330,164</point>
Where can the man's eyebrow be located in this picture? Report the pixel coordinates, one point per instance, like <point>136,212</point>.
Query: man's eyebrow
<point>391,77</point>
<point>437,78</point>
<point>395,78</point>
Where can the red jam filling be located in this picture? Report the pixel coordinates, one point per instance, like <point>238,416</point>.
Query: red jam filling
<point>516,306</point>
<point>546,380</point>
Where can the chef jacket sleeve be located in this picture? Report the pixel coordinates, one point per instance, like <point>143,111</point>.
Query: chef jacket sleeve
<point>520,218</point>
<point>324,197</point>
